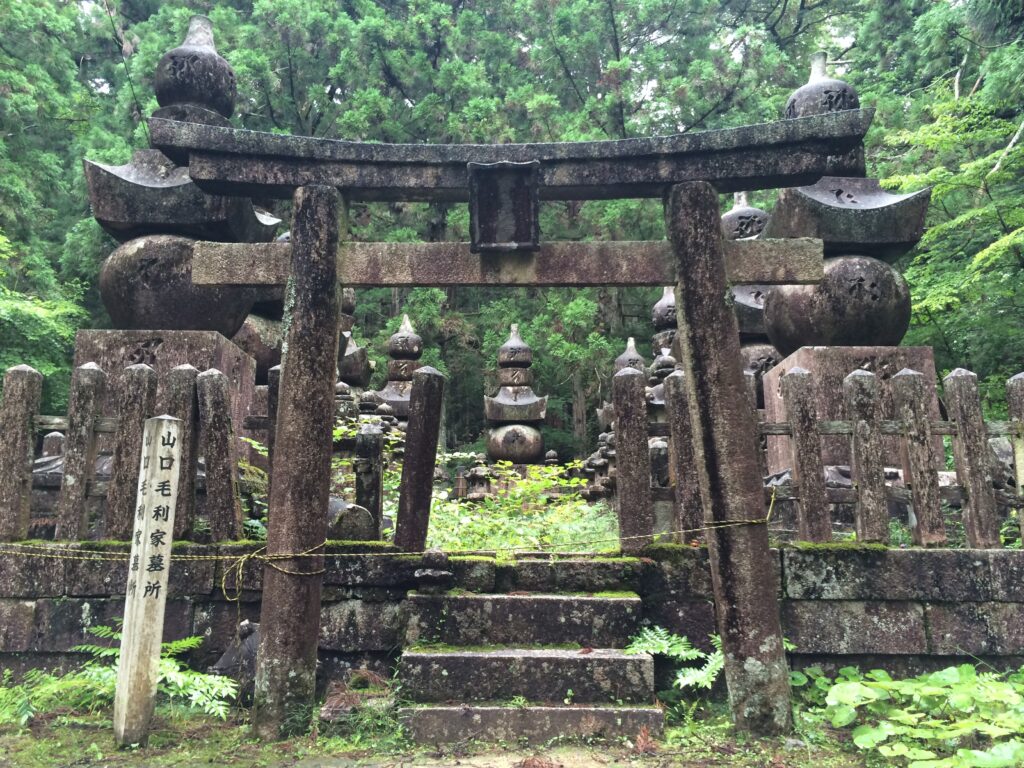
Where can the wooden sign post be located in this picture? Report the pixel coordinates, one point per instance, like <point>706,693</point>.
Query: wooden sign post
<point>146,593</point>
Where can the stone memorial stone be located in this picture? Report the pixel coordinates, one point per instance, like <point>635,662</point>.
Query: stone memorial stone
<point>146,283</point>
<point>828,367</point>
<point>743,220</point>
<point>515,410</point>
<point>194,73</point>
<point>861,301</point>
<point>404,350</point>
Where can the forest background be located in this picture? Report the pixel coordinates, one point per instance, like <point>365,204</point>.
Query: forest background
<point>946,78</point>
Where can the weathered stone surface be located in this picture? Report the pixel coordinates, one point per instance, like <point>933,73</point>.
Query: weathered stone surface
<point>370,570</point>
<point>32,576</point>
<point>136,401</point>
<point>194,73</point>
<point>440,725</point>
<point>147,284</point>
<point>728,466</point>
<point>150,195</point>
<point>518,443</point>
<point>88,386</point>
<point>17,621</point>
<point>355,625</point>
<point>850,627</point>
<point>693,619</point>
<point>959,629</point>
<point>540,675</point>
<point>633,502</point>
<point>23,386</point>
<point>679,572</point>
<point>425,405</point>
<point>579,575</point>
<point>61,624</point>
<point>603,262</point>
<point>218,444</point>
<point>163,351</point>
<point>217,622</point>
<point>851,215</point>
<point>828,367</point>
<point>821,573</point>
<point>822,94</point>
<point>1007,575</point>
<point>229,161</point>
<point>350,522</point>
<point>299,493</point>
<point>260,338</point>
<point>474,574</point>
<point>860,301</point>
<point>596,622</point>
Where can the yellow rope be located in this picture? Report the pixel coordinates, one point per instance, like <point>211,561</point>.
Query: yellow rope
<point>58,551</point>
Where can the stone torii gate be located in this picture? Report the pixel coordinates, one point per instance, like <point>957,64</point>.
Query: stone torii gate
<point>503,185</point>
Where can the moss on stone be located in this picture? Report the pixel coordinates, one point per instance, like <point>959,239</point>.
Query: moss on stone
<point>472,559</point>
<point>838,546</point>
<point>668,553</point>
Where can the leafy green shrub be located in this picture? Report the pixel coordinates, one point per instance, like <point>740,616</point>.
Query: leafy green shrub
<point>658,641</point>
<point>91,687</point>
<point>954,718</point>
<point>539,511</point>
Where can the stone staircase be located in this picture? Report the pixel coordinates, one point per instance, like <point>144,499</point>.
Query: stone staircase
<point>525,666</point>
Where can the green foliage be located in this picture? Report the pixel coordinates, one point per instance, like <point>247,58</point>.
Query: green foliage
<point>91,687</point>
<point>957,717</point>
<point>540,510</point>
<point>659,641</point>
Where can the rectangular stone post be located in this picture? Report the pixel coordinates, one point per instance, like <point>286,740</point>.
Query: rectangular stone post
<point>223,506</point>
<point>290,614</point>
<point>181,401</point>
<point>1015,406</point>
<point>273,396</point>
<point>88,387</point>
<point>814,521</point>
<point>689,512</point>
<point>146,592</point>
<point>369,472</point>
<point>633,501</point>
<point>743,572</point>
<point>973,463</point>
<point>414,494</point>
<point>911,393</point>
<point>871,519</point>
<point>135,403</point>
<point>23,387</point>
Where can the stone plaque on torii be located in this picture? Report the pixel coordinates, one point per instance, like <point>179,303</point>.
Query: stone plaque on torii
<point>503,185</point>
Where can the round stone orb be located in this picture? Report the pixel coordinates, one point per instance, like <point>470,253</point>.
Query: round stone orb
<point>194,73</point>
<point>822,94</point>
<point>146,284</point>
<point>861,301</point>
<point>663,313</point>
<point>743,221</point>
<point>518,443</point>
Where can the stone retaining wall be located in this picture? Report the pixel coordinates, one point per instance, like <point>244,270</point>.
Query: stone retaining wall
<point>902,609</point>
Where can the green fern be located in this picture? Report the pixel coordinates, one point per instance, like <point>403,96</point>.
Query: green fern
<point>658,641</point>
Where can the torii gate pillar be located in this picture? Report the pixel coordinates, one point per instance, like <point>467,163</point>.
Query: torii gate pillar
<point>729,475</point>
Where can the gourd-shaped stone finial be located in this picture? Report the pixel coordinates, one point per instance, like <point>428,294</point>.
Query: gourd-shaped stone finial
<point>515,353</point>
<point>405,343</point>
<point>630,358</point>
<point>663,313</point>
<point>743,220</point>
<point>822,94</point>
<point>194,73</point>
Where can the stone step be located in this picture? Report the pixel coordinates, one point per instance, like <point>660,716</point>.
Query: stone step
<point>518,620</point>
<point>538,675</point>
<point>594,574</point>
<point>441,725</point>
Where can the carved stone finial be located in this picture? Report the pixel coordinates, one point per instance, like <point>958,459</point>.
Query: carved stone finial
<point>743,220</point>
<point>194,73</point>
<point>630,358</point>
<point>515,409</point>
<point>822,94</point>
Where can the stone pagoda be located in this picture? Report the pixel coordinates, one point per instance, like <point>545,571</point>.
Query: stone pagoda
<point>857,315</point>
<point>405,347</point>
<point>515,411</point>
